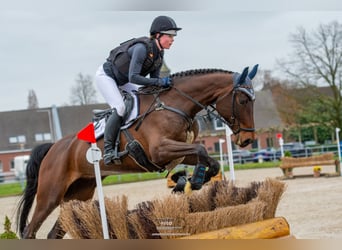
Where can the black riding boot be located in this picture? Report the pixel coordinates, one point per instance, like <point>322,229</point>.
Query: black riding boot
<point>112,129</point>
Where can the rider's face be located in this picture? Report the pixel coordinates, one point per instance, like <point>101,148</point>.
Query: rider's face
<point>166,41</point>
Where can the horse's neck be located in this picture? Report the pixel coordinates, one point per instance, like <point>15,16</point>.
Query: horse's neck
<point>204,90</point>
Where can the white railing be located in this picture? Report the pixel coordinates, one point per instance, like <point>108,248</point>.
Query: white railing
<point>308,151</point>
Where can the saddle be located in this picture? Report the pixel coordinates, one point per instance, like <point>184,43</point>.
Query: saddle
<point>133,147</point>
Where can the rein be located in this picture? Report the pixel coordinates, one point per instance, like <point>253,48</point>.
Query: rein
<point>157,105</point>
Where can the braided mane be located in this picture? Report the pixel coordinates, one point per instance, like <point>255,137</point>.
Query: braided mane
<point>148,89</point>
<point>198,72</point>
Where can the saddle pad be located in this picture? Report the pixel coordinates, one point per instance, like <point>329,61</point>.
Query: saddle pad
<point>101,124</point>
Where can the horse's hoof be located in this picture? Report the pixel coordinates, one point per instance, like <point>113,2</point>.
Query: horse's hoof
<point>196,186</point>
<point>180,186</point>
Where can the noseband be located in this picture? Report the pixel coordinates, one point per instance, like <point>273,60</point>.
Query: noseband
<point>235,122</point>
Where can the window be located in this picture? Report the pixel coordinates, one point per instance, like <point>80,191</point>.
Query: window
<point>255,144</point>
<point>42,137</point>
<point>217,146</point>
<point>21,138</point>
<point>47,136</point>
<point>38,137</point>
<point>13,139</point>
<point>219,124</point>
<point>269,142</point>
<point>17,139</point>
<point>12,165</point>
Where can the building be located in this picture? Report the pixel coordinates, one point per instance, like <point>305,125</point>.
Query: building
<point>22,130</point>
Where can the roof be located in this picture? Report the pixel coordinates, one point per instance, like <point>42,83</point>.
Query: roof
<point>24,129</point>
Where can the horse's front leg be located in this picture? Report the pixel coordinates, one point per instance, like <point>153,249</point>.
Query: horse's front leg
<point>195,154</point>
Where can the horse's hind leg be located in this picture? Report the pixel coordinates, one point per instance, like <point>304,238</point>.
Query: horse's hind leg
<point>41,212</point>
<point>81,189</point>
<point>50,193</point>
<point>56,232</point>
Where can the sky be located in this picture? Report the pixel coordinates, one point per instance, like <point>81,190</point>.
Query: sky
<point>44,45</point>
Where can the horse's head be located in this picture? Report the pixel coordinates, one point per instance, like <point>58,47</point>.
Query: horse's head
<point>237,107</point>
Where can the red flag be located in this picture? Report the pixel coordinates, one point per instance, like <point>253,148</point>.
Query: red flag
<point>87,133</point>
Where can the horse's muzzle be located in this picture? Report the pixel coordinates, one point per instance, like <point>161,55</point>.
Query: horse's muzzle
<point>246,142</point>
<point>242,143</point>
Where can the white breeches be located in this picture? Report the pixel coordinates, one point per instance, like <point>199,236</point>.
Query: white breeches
<point>110,90</point>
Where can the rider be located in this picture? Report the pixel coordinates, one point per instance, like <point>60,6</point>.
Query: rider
<point>126,68</point>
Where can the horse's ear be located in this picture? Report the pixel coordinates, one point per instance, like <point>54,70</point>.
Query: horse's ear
<point>243,76</point>
<point>253,72</point>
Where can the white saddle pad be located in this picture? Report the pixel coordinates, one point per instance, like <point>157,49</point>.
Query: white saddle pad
<point>101,124</point>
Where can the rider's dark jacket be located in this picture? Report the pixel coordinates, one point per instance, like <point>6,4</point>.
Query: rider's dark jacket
<point>133,60</point>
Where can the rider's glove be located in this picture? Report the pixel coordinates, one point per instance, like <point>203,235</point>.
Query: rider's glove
<point>165,82</point>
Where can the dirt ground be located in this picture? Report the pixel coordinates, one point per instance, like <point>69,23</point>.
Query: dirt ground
<point>312,206</point>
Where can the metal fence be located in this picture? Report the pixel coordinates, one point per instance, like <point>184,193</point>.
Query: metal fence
<point>308,151</point>
<point>275,156</point>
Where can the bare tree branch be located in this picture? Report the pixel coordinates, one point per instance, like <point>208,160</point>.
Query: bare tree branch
<point>83,92</point>
<point>317,60</point>
<point>32,100</point>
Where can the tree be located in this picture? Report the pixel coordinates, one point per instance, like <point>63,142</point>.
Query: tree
<point>32,100</point>
<point>83,92</point>
<point>300,109</point>
<point>317,60</point>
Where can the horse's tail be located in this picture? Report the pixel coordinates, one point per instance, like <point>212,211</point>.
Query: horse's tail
<point>32,171</point>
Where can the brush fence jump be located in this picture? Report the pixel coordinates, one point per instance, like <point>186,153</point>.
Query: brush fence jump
<point>216,206</point>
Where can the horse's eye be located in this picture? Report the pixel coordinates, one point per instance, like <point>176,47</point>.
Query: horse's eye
<point>243,101</point>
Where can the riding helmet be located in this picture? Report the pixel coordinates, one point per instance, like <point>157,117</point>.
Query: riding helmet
<point>164,25</point>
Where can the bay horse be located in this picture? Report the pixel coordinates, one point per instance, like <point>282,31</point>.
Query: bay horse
<point>59,172</point>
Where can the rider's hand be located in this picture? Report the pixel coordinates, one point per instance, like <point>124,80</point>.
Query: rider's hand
<point>165,82</point>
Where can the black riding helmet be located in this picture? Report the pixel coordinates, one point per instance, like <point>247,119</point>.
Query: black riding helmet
<point>164,25</point>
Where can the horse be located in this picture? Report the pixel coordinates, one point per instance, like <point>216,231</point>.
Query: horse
<point>165,129</point>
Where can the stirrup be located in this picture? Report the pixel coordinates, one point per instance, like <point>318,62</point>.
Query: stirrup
<point>110,158</point>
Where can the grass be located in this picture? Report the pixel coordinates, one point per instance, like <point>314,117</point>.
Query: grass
<point>252,165</point>
<point>12,189</point>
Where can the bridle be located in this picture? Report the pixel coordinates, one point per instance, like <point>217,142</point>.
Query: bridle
<point>212,111</point>
<point>235,122</point>
<point>241,82</point>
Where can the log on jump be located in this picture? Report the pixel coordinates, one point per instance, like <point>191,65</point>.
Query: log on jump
<point>265,229</point>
